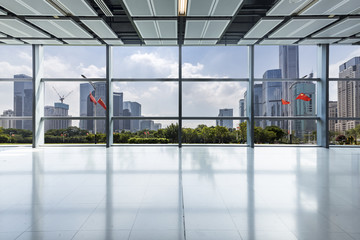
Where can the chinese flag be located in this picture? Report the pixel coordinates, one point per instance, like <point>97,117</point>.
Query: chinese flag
<point>303,97</point>
<point>100,101</point>
<point>284,102</point>
<point>92,98</point>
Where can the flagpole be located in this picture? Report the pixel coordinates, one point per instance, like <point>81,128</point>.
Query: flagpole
<point>95,114</point>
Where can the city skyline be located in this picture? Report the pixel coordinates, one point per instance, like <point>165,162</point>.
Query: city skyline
<point>195,64</point>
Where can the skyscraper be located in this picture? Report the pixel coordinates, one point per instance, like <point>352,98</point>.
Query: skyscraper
<point>332,114</point>
<point>271,97</point>
<point>85,89</point>
<point>348,94</point>
<point>147,125</point>
<point>289,66</point>
<point>225,112</point>
<point>59,110</point>
<point>118,110</point>
<point>8,123</point>
<point>135,111</point>
<point>258,103</point>
<point>23,97</point>
<point>242,109</point>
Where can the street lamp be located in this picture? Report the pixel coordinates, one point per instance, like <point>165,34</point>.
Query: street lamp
<point>94,109</point>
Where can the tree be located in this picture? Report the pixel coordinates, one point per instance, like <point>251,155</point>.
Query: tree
<point>221,133</point>
<point>208,134</point>
<point>171,132</point>
<point>279,133</point>
<point>243,131</point>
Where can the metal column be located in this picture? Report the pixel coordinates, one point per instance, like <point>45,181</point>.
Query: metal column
<point>323,96</point>
<point>180,96</point>
<point>109,97</point>
<point>38,96</point>
<point>250,99</point>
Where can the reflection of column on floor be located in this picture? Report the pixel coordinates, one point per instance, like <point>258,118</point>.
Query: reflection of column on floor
<point>109,193</point>
<point>181,217</point>
<point>250,190</point>
<point>323,198</point>
<point>37,191</point>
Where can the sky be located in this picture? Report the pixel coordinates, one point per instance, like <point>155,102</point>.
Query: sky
<point>160,98</point>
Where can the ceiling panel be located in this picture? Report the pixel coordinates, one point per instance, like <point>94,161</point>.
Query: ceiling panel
<point>215,28</point>
<point>247,41</point>
<point>332,7</point>
<point>11,41</point>
<point>344,28</point>
<point>2,35</point>
<point>82,42</point>
<point>138,8</point>
<point>262,27</point>
<point>349,41</point>
<point>61,28</point>
<point>43,41</point>
<point>278,41</point>
<point>167,28</point>
<point>99,27</point>
<point>33,7</point>
<point>287,7</point>
<point>226,7</point>
<point>200,42</point>
<point>170,42</point>
<point>2,12</point>
<point>300,28</point>
<point>164,7</point>
<point>318,41</point>
<point>17,28</point>
<point>200,7</point>
<point>114,42</point>
<point>147,28</point>
<point>153,42</point>
<point>76,8</point>
<point>194,28</point>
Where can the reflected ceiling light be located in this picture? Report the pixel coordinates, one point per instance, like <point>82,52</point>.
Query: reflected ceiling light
<point>182,6</point>
<point>104,8</point>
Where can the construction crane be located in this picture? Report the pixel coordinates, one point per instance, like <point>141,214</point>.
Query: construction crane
<point>62,98</point>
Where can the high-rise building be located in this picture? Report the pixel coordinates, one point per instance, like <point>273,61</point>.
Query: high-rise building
<point>289,66</point>
<point>332,114</point>
<point>258,103</point>
<point>135,111</point>
<point>302,108</point>
<point>58,110</point>
<point>242,109</point>
<point>272,94</point>
<point>126,122</point>
<point>23,98</point>
<point>157,126</point>
<point>225,112</point>
<point>87,108</point>
<point>147,125</point>
<point>8,123</point>
<point>118,101</point>
<point>348,94</point>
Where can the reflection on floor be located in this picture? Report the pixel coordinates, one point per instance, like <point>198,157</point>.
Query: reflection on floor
<point>192,193</point>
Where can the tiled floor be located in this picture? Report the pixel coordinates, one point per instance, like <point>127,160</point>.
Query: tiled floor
<point>168,193</point>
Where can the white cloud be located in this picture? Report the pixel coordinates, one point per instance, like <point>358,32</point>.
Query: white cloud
<point>8,70</point>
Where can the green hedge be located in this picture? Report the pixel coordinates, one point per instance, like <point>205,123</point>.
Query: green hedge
<point>148,140</point>
<point>59,139</point>
<point>4,138</point>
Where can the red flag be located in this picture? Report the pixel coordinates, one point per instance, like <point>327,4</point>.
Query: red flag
<point>92,99</point>
<point>284,102</point>
<point>100,101</point>
<point>303,97</point>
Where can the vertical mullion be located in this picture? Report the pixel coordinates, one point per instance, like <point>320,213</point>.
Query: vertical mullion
<point>250,99</point>
<point>109,97</point>
<point>180,97</point>
<point>322,100</point>
<point>38,96</point>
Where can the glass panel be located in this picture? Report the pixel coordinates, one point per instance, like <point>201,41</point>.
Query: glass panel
<point>15,60</point>
<point>16,101</point>
<point>213,132</point>
<point>344,132</point>
<point>344,61</point>
<point>200,62</point>
<point>285,132</point>
<point>73,61</point>
<point>145,62</point>
<point>212,99</point>
<point>146,98</point>
<point>289,62</point>
<point>63,131</point>
<point>146,131</point>
<point>285,99</point>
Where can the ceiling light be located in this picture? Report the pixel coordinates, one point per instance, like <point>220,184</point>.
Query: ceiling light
<point>104,8</point>
<point>182,4</point>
